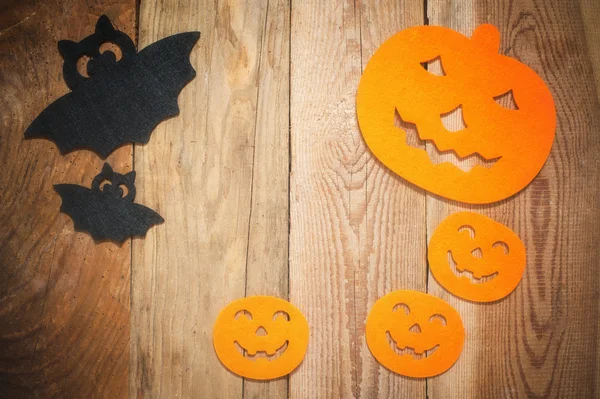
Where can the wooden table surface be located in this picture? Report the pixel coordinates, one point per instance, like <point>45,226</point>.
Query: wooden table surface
<point>267,187</point>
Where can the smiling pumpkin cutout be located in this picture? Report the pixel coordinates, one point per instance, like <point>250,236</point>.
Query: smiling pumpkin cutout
<point>475,257</point>
<point>516,142</point>
<point>414,334</point>
<point>260,337</point>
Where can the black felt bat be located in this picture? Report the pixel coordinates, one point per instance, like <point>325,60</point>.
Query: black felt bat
<point>106,211</point>
<point>120,101</point>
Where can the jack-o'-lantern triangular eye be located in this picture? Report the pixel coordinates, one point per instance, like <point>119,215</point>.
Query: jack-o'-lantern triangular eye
<point>434,66</point>
<point>507,100</point>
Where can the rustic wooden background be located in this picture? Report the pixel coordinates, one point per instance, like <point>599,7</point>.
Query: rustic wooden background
<point>267,188</point>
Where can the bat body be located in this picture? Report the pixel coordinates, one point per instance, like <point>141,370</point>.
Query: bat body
<point>104,212</point>
<point>121,101</point>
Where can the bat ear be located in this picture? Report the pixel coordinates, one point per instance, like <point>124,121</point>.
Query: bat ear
<point>68,49</point>
<point>130,176</point>
<point>104,26</point>
<point>106,169</point>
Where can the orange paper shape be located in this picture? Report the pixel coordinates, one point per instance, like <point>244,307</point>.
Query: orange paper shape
<point>260,337</point>
<point>414,334</point>
<point>515,141</point>
<point>475,257</point>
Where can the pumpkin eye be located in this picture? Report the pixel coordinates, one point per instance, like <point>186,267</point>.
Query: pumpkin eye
<point>439,319</point>
<point>434,66</point>
<point>470,229</point>
<point>501,244</point>
<point>243,313</point>
<point>507,100</point>
<point>281,313</point>
<point>401,307</point>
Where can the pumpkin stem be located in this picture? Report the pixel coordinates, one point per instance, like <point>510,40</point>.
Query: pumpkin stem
<point>488,36</point>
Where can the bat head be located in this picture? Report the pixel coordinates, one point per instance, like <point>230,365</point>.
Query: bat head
<point>102,51</point>
<point>115,184</point>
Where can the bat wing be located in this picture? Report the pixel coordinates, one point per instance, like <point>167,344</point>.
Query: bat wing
<point>63,122</point>
<point>168,68</point>
<point>100,116</point>
<point>105,217</point>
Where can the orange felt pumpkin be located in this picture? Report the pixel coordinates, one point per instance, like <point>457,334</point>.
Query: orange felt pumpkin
<point>414,334</point>
<point>475,257</point>
<point>260,337</point>
<point>516,141</point>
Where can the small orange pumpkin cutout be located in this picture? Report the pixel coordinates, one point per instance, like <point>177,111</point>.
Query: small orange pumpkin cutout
<point>475,257</point>
<point>414,334</point>
<point>515,142</point>
<point>260,337</point>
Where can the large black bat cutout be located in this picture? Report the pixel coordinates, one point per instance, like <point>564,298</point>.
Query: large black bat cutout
<point>120,101</point>
<point>106,212</point>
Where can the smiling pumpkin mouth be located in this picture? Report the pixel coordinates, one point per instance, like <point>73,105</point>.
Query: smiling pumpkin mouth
<point>261,354</point>
<point>407,350</point>
<point>438,156</point>
<point>474,278</point>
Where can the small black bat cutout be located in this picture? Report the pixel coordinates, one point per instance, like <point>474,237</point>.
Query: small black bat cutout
<point>106,212</point>
<point>121,101</point>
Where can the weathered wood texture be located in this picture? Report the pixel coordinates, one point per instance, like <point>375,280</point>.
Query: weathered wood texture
<point>219,175</point>
<point>357,231</point>
<point>64,301</point>
<point>267,187</point>
<point>541,341</point>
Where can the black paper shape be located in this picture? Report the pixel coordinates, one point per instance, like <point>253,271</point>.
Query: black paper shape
<point>121,101</point>
<point>106,212</point>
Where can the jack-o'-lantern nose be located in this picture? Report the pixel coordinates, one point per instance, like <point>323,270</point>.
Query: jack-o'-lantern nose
<point>415,328</point>
<point>261,332</point>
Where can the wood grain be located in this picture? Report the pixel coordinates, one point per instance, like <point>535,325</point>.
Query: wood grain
<point>590,12</point>
<point>392,220</point>
<point>345,206</point>
<point>64,301</point>
<point>327,191</point>
<point>267,187</point>
<point>218,174</point>
<point>267,260</point>
<point>541,341</point>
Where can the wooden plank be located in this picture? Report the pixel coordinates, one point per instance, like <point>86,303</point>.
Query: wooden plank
<point>541,341</point>
<point>590,12</point>
<point>64,301</point>
<point>392,220</point>
<point>355,228</point>
<point>198,172</point>
<point>267,261</point>
<point>326,192</point>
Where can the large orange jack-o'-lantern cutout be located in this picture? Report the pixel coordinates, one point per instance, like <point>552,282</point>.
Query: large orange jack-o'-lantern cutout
<point>516,141</point>
<point>414,334</point>
<point>260,337</point>
<point>475,257</point>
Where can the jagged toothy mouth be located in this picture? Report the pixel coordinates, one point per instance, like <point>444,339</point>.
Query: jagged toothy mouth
<point>468,273</point>
<point>439,156</point>
<point>406,350</point>
<point>261,354</point>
